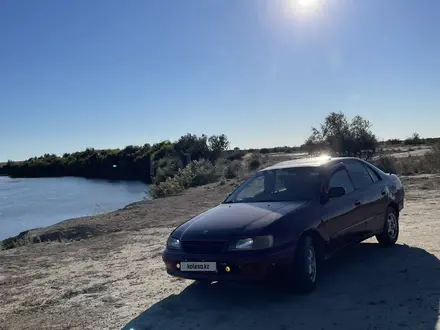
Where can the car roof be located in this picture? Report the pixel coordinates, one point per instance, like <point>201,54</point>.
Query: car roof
<point>308,162</point>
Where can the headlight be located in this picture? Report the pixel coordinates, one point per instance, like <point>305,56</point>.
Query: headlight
<point>256,243</point>
<point>173,243</point>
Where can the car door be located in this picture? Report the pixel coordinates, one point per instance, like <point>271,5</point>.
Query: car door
<point>339,211</point>
<point>381,191</point>
<point>366,197</point>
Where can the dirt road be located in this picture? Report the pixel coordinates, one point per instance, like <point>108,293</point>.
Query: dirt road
<point>116,279</point>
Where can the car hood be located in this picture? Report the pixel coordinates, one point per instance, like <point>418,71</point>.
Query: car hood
<point>234,220</point>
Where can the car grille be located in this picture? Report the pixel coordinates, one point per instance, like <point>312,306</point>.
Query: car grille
<point>204,247</point>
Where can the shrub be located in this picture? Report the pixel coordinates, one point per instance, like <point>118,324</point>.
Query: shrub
<point>203,173</point>
<point>387,164</point>
<point>429,163</point>
<point>401,166</point>
<point>196,173</point>
<point>394,141</point>
<point>414,140</point>
<point>254,162</point>
<point>236,155</point>
<point>431,160</point>
<point>233,169</point>
<point>167,167</point>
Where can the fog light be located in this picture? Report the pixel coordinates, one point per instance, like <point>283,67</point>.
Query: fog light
<point>228,269</point>
<point>178,266</point>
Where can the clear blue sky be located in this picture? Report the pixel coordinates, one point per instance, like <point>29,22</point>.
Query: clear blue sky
<point>105,74</point>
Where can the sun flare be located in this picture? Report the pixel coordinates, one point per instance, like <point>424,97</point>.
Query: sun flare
<point>306,7</point>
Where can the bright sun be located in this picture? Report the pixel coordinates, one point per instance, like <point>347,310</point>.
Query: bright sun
<point>306,6</point>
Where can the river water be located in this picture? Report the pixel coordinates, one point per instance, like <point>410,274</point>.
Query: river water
<point>32,203</point>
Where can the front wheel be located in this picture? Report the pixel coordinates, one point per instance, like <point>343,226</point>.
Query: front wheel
<point>305,270</point>
<point>390,231</point>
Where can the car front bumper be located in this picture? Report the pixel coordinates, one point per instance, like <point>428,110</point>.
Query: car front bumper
<point>247,266</point>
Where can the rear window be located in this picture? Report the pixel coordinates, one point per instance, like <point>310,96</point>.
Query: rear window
<point>359,174</point>
<point>373,173</point>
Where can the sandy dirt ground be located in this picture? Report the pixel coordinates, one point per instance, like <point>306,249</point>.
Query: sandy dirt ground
<point>113,278</point>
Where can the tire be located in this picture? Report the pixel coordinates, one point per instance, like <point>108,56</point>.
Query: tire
<point>305,270</point>
<point>390,232</point>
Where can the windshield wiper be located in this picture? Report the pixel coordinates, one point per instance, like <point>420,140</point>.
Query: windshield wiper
<point>228,202</point>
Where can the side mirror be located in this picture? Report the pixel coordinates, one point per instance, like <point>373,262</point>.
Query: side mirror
<point>336,192</point>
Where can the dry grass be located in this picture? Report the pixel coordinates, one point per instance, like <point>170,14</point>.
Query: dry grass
<point>428,163</point>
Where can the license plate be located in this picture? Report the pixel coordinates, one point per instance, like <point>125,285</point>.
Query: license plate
<point>189,266</point>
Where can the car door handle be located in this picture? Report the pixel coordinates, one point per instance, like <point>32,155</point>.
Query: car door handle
<point>357,203</point>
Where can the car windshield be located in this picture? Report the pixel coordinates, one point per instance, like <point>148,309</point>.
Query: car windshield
<point>285,184</point>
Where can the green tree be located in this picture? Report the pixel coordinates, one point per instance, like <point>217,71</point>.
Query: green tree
<point>342,137</point>
<point>218,144</point>
<point>414,140</point>
<point>147,163</point>
<point>191,147</point>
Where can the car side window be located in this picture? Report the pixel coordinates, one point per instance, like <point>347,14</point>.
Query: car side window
<point>341,179</point>
<point>373,174</point>
<point>359,174</point>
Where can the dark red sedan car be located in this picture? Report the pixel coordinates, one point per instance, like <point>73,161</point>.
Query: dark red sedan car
<point>281,222</point>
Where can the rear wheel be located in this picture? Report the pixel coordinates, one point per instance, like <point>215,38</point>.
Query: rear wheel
<point>390,231</point>
<point>305,266</point>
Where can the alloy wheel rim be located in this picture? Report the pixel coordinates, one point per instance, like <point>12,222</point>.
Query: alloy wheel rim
<point>392,225</point>
<point>311,258</point>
